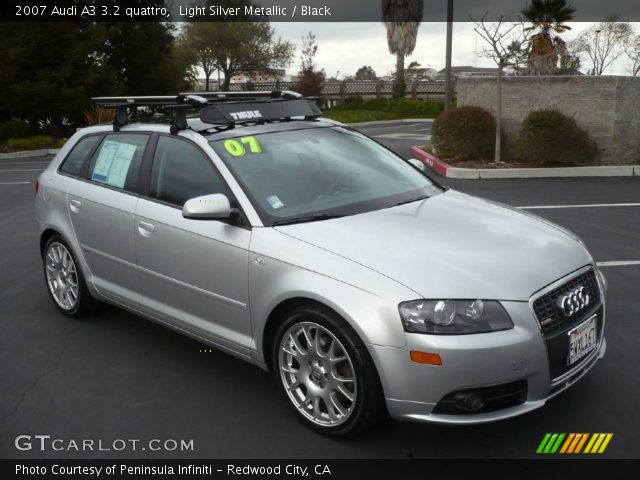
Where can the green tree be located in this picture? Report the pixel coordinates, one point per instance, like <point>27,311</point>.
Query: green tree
<point>365,73</point>
<point>402,19</point>
<point>311,80</point>
<point>50,71</point>
<point>144,57</point>
<point>548,18</point>
<point>235,47</point>
<point>569,64</point>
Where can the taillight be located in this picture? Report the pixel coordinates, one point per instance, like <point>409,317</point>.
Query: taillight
<point>35,193</point>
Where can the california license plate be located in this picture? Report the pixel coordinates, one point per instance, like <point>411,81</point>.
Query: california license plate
<point>582,340</point>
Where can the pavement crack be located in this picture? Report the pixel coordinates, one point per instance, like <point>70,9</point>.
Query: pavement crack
<point>36,382</point>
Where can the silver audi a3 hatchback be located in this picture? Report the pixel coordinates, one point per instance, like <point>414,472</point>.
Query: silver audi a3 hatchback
<point>305,247</point>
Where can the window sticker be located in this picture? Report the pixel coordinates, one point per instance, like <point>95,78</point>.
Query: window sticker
<point>240,148</point>
<point>275,202</point>
<point>113,163</point>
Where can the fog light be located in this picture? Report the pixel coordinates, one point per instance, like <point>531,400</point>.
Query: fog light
<point>468,401</point>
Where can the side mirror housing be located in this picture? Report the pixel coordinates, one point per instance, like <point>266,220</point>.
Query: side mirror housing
<point>418,164</point>
<point>214,206</point>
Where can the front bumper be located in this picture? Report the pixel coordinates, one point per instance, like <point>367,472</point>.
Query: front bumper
<point>413,390</point>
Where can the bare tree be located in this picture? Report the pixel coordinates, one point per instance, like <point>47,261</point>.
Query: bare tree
<point>604,43</point>
<point>633,52</point>
<point>500,37</point>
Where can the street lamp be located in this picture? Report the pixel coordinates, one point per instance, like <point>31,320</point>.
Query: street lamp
<point>448,87</point>
<point>595,54</point>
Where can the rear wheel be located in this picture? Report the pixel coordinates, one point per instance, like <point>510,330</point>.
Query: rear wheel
<point>65,282</point>
<point>326,372</point>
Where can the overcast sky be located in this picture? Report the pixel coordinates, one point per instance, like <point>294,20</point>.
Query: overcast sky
<point>344,47</point>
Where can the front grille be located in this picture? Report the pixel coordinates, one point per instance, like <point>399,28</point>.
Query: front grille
<point>552,319</point>
<point>555,325</point>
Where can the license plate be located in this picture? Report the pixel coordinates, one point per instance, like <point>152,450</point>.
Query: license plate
<point>582,340</point>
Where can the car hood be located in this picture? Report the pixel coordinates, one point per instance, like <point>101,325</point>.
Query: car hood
<point>452,245</point>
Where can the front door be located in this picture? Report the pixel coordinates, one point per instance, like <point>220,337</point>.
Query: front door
<point>194,273</point>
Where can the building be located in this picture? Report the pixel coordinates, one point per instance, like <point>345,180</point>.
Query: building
<point>468,71</point>
<point>270,75</point>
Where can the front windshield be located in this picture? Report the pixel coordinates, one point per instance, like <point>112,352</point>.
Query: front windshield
<point>311,172</point>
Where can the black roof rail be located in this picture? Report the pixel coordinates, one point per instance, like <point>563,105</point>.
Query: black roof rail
<point>178,104</point>
<point>249,95</point>
<point>217,108</point>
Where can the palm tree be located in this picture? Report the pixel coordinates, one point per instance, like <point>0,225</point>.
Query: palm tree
<point>402,19</point>
<point>549,18</point>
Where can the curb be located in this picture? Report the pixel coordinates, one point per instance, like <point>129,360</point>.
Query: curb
<point>444,169</point>
<point>29,153</point>
<point>398,120</point>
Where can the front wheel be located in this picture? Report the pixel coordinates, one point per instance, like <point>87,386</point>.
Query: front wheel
<point>326,372</point>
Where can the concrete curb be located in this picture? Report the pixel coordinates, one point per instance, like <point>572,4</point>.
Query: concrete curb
<point>444,169</point>
<point>29,153</point>
<point>399,120</point>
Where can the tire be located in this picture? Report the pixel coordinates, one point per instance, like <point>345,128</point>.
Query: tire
<point>64,280</point>
<point>332,385</point>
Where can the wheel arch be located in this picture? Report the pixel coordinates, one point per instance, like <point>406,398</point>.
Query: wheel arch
<point>45,236</point>
<point>276,316</point>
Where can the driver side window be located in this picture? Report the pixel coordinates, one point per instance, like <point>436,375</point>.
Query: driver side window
<point>180,171</point>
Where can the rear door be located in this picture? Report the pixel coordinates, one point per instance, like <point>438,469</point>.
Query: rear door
<point>101,206</point>
<point>194,273</point>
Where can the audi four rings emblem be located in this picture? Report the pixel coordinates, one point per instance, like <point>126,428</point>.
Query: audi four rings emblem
<point>574,301</point>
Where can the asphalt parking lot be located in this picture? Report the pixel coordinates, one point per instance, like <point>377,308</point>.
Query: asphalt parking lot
<point>116,376</point>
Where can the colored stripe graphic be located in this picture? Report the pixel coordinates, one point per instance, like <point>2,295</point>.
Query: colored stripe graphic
<point>573,443</point>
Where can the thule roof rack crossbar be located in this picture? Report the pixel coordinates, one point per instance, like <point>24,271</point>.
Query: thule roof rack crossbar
<point>177,104</point>
<point>217,108</point>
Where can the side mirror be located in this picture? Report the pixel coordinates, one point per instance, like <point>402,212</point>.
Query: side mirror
<point>418,164</point>
<point>206,207</point>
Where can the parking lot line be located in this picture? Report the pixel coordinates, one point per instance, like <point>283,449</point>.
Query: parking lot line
<point>14,183</point>
<point>589,205</point>
<point>618,263</point>
<point>23,170</point>
<point>6,164</point>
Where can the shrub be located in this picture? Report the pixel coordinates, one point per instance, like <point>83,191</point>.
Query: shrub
<point>549,137</point>
<point>14,129</point>
<point>98,114</point>
<point>464,133</point>
<point>34,143</point>
<point>382,109</point>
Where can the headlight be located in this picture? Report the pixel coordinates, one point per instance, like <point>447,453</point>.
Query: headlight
<point>453,317</point>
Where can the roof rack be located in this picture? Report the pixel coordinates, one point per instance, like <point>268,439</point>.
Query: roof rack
<point>217,108</point>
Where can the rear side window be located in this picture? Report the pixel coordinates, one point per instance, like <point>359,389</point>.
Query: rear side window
<point>72,165</point>
<point>117,161</point>
<point>180,171</point>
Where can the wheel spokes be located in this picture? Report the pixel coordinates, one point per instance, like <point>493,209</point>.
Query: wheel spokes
<point>317,374</point>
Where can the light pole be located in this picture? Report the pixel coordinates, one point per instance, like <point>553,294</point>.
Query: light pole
<point>595,54</point>
<point>448,87</point>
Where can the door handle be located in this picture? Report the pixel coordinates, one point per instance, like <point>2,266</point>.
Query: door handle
<point>146,229</point>
<point>75,205</point>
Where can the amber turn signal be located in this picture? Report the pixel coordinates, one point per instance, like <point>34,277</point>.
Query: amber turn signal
<point>425,357</point>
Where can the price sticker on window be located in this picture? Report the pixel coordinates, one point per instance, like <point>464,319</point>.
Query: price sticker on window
<point>242,147</point>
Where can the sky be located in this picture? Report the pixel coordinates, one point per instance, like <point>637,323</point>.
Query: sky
<point>344,47</point>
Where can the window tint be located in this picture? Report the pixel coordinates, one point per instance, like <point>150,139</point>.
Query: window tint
<point>117,161</point>
<point>75,160</point>
<point>180,171</point>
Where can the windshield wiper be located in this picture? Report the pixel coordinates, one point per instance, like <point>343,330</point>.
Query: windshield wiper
<point>411,200</point>
<point>308,218</point>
